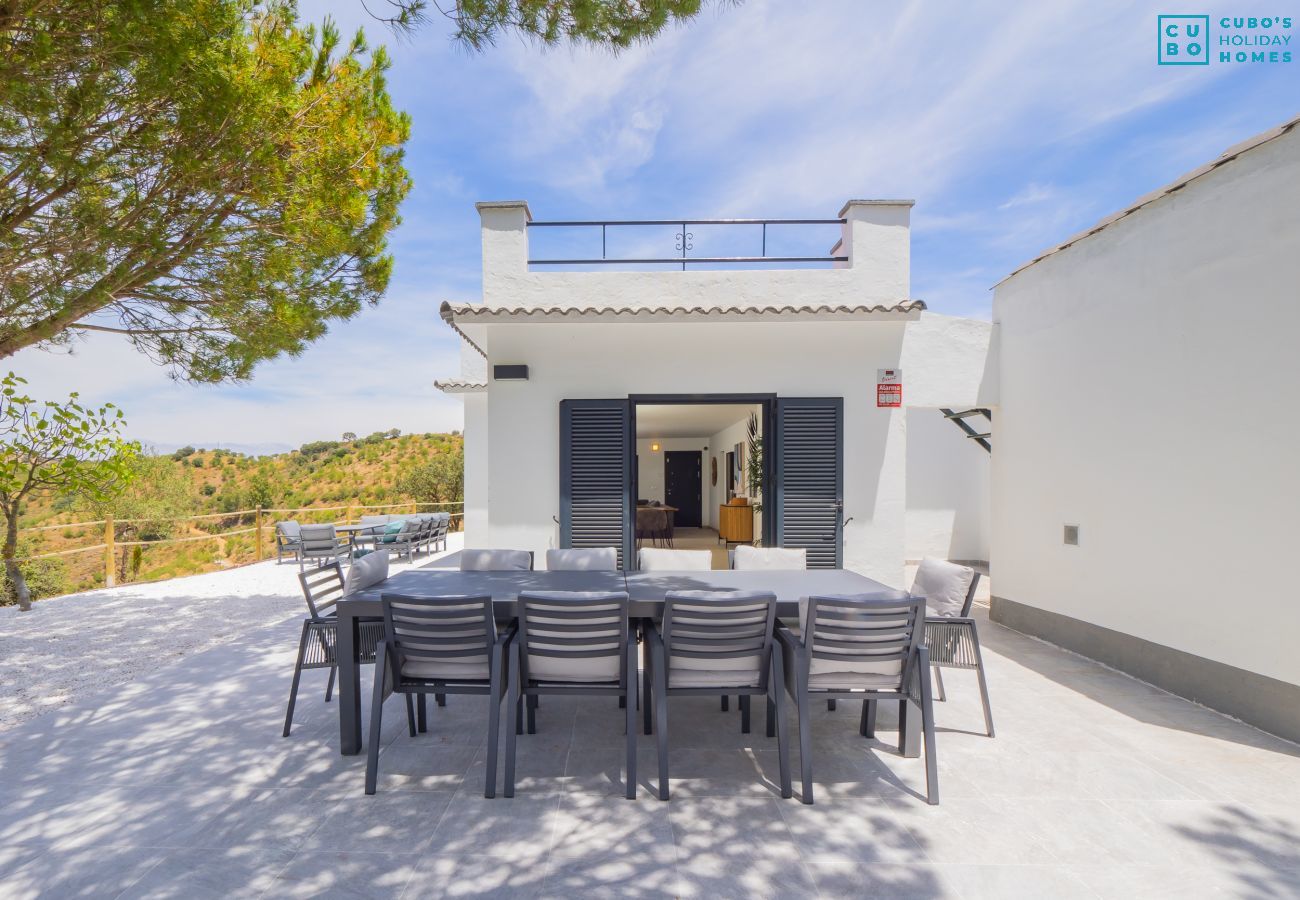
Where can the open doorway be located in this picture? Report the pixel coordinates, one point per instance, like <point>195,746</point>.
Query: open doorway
<point>699,474</point>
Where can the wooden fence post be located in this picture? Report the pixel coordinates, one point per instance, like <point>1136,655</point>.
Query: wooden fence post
<point>259,534</point>
<point>110,567</point>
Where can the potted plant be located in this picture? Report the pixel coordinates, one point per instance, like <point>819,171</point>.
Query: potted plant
<point>754,467</point>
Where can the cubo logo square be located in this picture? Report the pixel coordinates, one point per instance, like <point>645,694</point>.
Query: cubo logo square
<point>1183,40</point>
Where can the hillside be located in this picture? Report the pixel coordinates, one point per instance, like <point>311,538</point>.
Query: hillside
<point>383,468</point>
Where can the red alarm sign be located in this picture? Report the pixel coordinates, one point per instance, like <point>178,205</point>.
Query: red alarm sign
<point>889,387</point>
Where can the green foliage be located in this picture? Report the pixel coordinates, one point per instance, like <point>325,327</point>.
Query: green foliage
<point>261,495</point>
<point>317,448</point>
<point>183,452</point>
<point>159,492</point>
<point>349,436</point>
<point>607,23</point>
<point>754,462</point>
<point>46,577</point>
<point>440,480</point>
<point>64,449</point>
<point>208,177</point>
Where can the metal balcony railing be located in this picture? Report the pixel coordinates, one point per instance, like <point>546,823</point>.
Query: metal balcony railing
<point>684,243</point>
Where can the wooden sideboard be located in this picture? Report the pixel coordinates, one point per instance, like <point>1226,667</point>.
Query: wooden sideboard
<point>736,524</point>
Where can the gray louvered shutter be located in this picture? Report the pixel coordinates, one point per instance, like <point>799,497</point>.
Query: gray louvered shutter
<point>810,477</point>
<point>595,466</point>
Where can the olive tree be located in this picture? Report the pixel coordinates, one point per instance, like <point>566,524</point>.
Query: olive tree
<point>64,449</point>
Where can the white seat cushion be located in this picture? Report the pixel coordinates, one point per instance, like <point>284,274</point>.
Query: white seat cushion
<point>446,671</point>
<point>853,681</point>
<point>654,559</point>
<point>578,670</point>
<point>598,559</point>
<point>366,572</point>
<point>944,586</point>
<point>495,561</point>
<point>747,558</point>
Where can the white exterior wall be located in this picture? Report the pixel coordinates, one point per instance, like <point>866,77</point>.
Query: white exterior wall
<point>947,489</point>
<point>800,359</point>
<point>1148,383</point>
<point>837,356</point>
<point>876,238</point>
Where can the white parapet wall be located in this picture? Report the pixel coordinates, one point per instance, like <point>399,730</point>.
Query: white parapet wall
<point>1147,389</point>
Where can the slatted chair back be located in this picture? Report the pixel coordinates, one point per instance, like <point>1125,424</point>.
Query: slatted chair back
<point>575,637</point>
<point>718,638</point>
<point>323,589</point>
<point>289,529</point>
<point>863,641</point>
<point>440,638</point>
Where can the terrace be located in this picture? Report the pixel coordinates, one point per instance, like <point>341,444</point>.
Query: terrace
<point>172,778</point>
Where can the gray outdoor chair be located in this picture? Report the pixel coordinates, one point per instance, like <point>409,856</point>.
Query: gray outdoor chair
<point>440,646</point>
<point>323,588</point>
<point>953,640</point>
<point>496,560</point>
<point>402,542</point>
<point>288,540</point>
<point>653,559</point>
<point>711,643</point>
<point>320,544</point>
<point>860,648</point>
<point>749,559</point>
<point>577,644</point>
<point>428,528</point>
<point>442,522</point>
<point>594,559</point>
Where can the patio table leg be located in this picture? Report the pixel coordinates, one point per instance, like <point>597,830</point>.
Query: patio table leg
<point>349,687</point>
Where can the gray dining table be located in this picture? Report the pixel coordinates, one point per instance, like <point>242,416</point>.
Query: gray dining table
<point>646,592</point>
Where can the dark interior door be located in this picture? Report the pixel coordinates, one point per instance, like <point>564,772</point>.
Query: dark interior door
<point>682,481</point>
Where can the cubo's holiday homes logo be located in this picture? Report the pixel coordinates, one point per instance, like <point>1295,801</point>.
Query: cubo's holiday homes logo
<point>1183,40</point>
<point>1187,41</point>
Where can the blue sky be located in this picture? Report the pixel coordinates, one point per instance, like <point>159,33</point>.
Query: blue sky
<point>1012,125</point>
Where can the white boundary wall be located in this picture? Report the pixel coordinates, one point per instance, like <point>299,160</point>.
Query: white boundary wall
<point>1149,378</point>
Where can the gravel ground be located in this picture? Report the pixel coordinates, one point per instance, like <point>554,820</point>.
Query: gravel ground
<point>69,648</point>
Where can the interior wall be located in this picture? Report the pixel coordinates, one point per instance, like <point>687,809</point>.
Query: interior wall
<point>947,490</point>
<point>650,464</point>
<point>720,443</point>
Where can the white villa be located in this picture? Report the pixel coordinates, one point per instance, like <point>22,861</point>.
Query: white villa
<point>1143,485</point>
<point>588,391</point>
